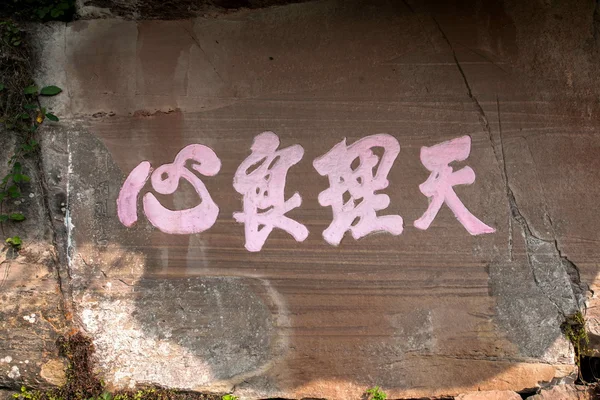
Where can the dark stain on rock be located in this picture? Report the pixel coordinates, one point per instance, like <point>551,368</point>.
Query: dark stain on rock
<point>146,113</point>
<point>217,319</point>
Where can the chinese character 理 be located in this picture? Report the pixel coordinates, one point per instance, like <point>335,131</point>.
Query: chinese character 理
<point>352,192</point>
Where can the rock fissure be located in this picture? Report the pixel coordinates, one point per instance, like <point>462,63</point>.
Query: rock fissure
<point>498,153</point>
<point>557,278</point>
<point>63,285</point>
<point>578,288</point>
<point>407,4</point>
<point>61,264</point>
<point>532,241</point>
<point>486,358</point>
<point>482,117</point>
<point>505,178</point>
<point>192,35</point>
<point>67,81</point>
<point>596,22</point>
<point>540,269</point>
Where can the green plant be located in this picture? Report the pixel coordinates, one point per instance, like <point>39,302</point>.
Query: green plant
<point>103,396</point>
<point>575,330</point>
<point>36,10</point>
<point>376,393</point>
<point>11,33</point>
<point>230,397</point>
<point>15,242</point>
<point>26,394</point>
<point>21,113</point>
<point>25,125</point>
<point>53,9</point>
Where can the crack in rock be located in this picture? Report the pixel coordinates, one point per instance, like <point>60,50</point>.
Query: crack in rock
<point>596,22</point>
<point>556,276</point>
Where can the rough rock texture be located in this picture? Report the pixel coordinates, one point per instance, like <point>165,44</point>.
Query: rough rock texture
<point>6,395</point>
<point>31,305</point>
<point>167,10</point>
<point>565,392</point>
<point>426,313</point>
<point>490,395</point>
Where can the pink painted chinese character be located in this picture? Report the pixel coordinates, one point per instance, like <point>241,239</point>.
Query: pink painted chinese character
<point>165,180</point>
<point>261,179</point>
<point>351,194</point>
<point>438,187</point>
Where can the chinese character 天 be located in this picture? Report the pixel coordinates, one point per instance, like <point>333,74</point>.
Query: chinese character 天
<point>438,187</point>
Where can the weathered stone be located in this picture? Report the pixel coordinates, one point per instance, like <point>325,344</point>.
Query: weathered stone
<point>6,394</point>
<point>426,313</point>
<point>31,305</point>
<point>54,372</point>
<point>489,395</point>
<point>565,392</point>
<point>179,10</point>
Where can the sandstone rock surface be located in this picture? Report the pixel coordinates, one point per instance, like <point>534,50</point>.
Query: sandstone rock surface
<point>32,314</point>
<point>489,395</point>
<point>433,312</point>
<point>565,392</point>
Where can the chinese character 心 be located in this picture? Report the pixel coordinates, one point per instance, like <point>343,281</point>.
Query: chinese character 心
<point>165,180</point>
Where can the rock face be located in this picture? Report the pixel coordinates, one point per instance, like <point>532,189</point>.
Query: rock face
<point>562,392</point>
<point>489,395</point>
<point>32,313</point>
<point>425,313</point>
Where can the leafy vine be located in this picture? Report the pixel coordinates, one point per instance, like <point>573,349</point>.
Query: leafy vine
<point>21,114</point>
